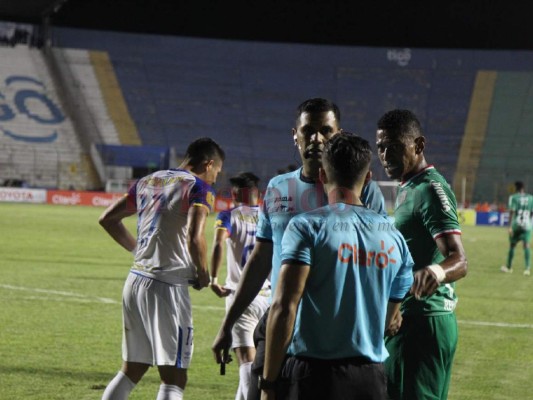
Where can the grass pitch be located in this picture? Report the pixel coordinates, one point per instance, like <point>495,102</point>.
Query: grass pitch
<point>60,318</point>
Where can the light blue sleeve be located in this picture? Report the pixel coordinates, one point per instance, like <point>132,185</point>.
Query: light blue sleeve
<point>372,198</point>
<point>404,278</point>
<point>264,226</point>
<point>296,244</point>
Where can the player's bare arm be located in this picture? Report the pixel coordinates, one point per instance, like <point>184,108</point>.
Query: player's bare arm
<point>111,221</point>
<point>254,274</point>
<point>216,261</point>
<point>281,317</point>
<point>393,320</point>
<point>454,267</point>
<point>197,244</point>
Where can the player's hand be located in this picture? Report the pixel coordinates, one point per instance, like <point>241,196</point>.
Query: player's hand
<point>425,283</point>
<point>219,290</point>
<point>395,325</point>
<point>222,344</point>
<point>202,279</point>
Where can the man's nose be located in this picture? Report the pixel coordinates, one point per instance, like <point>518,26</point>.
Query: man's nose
<point>317,137</point>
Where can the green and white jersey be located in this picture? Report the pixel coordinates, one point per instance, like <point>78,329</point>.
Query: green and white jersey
<point>522,205</point>
<point>425,210</point>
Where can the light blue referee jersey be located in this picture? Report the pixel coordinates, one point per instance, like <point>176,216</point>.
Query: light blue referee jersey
<point>291,194</point>
<point>358,262</point>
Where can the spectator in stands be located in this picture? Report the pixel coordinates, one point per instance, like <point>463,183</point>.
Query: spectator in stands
<point>235,229</point>
<point>170,253</point>
<point>520,212</point>
<point>332,302</point>
<point>287,195</point>
<point>422,352</point>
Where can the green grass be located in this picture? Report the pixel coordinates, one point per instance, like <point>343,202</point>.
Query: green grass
<point>60,315</point>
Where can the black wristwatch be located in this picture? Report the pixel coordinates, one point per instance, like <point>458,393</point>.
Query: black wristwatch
<point>263,384</point>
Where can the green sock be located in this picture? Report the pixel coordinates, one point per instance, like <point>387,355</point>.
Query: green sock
<point>527,255</point>
<point>510,257</point>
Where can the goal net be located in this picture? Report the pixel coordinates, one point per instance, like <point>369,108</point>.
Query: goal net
<point>389,190</point>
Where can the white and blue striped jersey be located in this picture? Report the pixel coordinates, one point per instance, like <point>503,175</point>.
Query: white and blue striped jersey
<point>358,262</point>
<point>291,194</point>
<point>241,224</point>
<point>162,201</point>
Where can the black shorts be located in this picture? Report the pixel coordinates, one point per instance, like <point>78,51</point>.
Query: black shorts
<point>304,378</point>
<point>259,342</point>
<point>340,379</point>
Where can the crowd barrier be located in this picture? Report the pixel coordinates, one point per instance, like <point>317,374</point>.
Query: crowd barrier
<point>74,198</point>
<point>103,199</point>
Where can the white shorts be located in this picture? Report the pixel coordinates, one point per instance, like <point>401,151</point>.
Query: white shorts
<point>158,327</point>
<point>243,330</point>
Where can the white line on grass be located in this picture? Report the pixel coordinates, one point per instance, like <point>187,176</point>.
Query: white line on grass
<point>76,297</point>
<point>498,324</point>
<point>79,297</point>
<point>87,299</point>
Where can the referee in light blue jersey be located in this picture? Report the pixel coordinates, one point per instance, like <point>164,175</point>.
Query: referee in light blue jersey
<point>344,271</point>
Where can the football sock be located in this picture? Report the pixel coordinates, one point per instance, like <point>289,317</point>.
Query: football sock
<point>244,377</point>
<point>527,255</point>
<point>169,392</point>
<point>119,388</point>
<point>510,257</point>
<point>239,395</point>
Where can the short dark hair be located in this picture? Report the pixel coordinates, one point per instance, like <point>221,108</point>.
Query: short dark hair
<point>245,180</point>
<point>204,149</point>
<point>519,185</point>
<point>400,123</point>
<point>349,156</point>
<point>317,105</point>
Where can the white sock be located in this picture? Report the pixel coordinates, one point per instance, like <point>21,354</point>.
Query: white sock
<point>119,388</point>
<point>239,395</point>
<point>169,392</point>
<point>245,371</point>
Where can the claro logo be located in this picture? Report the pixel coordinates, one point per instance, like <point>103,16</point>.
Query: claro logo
<point>401,57</point>
<point>72,199</point>
<point>104,201</point>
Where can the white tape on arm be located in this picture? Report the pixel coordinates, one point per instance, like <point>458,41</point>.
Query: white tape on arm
<point>438,271</point>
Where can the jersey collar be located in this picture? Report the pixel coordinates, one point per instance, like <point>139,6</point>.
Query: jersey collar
<point>422,171</point>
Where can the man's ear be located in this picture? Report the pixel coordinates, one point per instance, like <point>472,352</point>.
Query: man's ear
<point>209,164</point>
<point>420,144</point>
<point>294,137</point>
<point>368,177</point>
<point>322,176</point>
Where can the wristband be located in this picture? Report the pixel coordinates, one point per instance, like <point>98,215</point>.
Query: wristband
<point>214,280</point>
<point>438,271</point>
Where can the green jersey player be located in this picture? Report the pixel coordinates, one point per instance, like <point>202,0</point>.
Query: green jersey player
<point>423,347</point>
<point>520,210</point>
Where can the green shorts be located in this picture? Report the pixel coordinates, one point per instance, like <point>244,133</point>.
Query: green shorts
<point>421,357</point>
<point>520,234</point>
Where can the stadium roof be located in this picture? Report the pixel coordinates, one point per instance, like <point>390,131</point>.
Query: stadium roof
<point>496,24</point>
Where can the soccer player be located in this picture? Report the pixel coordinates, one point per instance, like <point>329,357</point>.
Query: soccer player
<point>520,208</point>
<point>422,352</point>
<point>235,229</point>
<point>170,253</point>
<point>345,268</point>
<point>287,195</point>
